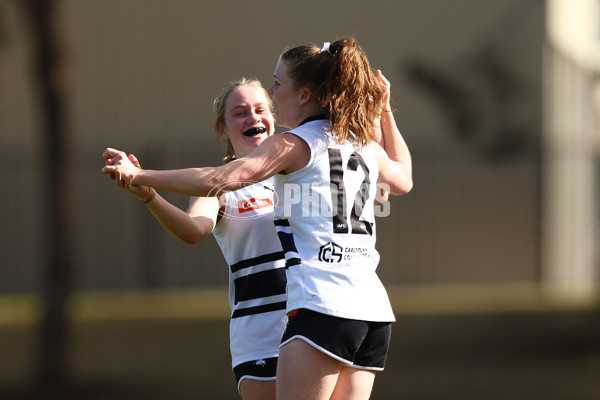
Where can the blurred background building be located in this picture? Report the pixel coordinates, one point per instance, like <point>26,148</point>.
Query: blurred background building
<point>571,147</point>
<point>498,102</point>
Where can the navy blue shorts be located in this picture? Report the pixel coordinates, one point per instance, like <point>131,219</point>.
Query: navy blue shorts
<point>261,370</point>
<point>356,343</point>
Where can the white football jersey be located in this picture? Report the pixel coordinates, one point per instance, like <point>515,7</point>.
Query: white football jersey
<point>325,221</point>
<point>257,280</point>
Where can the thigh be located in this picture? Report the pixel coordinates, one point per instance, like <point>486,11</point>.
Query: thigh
<point>305,373</point>
<point>252,389</point>
<point>353,384</point>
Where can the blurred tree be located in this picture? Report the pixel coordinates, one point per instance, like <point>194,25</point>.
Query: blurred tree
<point>49,75</point>
<point>3,32</point>
<point>482,101</point>
<point>489,105</point>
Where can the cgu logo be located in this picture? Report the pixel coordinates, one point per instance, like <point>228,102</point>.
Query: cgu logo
<point>253,204</point>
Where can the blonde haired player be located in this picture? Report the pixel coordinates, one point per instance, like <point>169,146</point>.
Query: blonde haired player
<point>242,223</point>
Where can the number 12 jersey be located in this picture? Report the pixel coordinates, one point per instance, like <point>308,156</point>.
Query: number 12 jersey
<point>325,220</point>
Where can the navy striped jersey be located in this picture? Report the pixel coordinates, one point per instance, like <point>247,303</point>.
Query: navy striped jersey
<point>257,280</point>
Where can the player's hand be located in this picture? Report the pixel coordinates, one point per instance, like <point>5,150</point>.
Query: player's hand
<point>385,85</point>
<point>141,192</point>
<point>119,167</point>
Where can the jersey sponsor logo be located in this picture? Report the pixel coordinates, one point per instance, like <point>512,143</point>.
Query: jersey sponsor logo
<point>233,208</point>
<point>333,253</point>
<point>253,204</point>
<point>330,252</point>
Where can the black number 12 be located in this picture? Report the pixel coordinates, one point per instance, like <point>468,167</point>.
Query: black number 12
<point>338,194</point>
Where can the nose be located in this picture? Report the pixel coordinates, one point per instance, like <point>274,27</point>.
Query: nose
<point>270,90</point>
<point>253,117</point>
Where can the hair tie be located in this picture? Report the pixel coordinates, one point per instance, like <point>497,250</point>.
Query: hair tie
<point>326,48</point>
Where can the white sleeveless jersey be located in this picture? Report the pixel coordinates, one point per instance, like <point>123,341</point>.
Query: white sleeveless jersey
<point>325,221</point>
<point>257,281</point>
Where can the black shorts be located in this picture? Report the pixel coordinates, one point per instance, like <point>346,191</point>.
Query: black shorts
<point>356,343</point>
<point>260,370</point>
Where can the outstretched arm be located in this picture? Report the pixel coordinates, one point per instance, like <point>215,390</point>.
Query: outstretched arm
<point>191,226</point>
<point>277,153</point>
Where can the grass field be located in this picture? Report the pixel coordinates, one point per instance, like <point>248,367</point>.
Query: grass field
<point>175,346</point>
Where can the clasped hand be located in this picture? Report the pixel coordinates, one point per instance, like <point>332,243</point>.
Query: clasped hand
<point>123,169</point>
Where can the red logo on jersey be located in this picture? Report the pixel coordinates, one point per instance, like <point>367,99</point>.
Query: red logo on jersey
<point>253,204</point>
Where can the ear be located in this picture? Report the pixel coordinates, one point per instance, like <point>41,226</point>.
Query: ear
<point>305,96</point>
<point>222,134</point>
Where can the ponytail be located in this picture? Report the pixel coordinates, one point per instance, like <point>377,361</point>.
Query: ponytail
<point>345,87</point>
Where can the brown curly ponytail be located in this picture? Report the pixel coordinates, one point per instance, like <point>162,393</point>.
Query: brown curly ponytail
<point>344,84</point>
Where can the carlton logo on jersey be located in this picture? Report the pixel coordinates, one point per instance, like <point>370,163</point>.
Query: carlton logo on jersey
<point>253,204</point>
<point>333,253</point>
<point>330,252</point>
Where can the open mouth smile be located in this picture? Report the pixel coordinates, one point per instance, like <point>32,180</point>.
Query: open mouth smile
<point>254,131</point>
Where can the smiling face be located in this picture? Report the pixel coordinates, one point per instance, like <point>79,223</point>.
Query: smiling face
<point>247,119</point>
